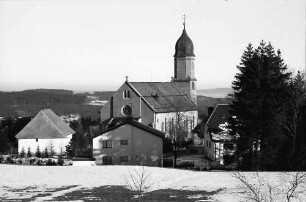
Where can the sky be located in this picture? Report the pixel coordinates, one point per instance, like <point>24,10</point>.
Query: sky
<point>92,45</point>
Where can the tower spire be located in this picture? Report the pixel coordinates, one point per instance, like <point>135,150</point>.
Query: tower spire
<point>184,20</point>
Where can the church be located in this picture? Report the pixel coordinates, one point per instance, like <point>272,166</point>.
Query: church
<point>157,104</point>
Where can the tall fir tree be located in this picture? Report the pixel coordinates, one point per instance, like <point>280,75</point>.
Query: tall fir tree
<point>260,96</point>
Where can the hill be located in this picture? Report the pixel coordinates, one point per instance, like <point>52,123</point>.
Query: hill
<point>29,102</point>
<point>215,92</point>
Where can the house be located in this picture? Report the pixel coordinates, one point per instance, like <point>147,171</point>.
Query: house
<point>158,104</point>
<point>127,142</point>
<point>219,145</point>
<point>45,130</point>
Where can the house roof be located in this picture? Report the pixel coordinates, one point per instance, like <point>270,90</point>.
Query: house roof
<point>222,136</point>
<point>45,125</point>
<point>163,96</point>
<point>219,116</point>
<point>114,123</point>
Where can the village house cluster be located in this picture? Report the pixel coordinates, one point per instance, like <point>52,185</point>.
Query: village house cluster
<point>139,115</point>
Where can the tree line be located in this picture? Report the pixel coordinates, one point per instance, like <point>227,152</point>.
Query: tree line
<point>268,112</point>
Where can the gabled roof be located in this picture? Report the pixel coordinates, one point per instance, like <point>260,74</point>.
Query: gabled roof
<point>163,96</point>
<point>222,136</point>
<point>219,116</point>
<point>114,123</point>
<point>45,125</point>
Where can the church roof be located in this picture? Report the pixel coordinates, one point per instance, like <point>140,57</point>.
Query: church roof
<point>45,125</point>
<point>184,46</point>
<point>163,96</point>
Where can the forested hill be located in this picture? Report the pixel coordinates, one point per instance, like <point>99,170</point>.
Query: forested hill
<point>29,102</point>
<point>40,97</point>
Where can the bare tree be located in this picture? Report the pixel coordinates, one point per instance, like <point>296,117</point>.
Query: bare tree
<point>259,189</point>
<point>139,179</point>
<point>177,133</point>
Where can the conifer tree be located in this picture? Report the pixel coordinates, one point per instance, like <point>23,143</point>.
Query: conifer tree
<point>46,154</point>
<point>261,94</point>
<point>22,153</point>
<point>29,154</point>
<point>38,153</point>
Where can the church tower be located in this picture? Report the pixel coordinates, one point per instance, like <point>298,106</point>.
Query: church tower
<point>184,66</point>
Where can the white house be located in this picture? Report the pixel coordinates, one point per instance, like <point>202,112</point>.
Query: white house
<point>219,145</point>
<point>128,142</point>
<point>45,130</point>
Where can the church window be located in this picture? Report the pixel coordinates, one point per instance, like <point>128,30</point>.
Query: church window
<point>193,86</point>
<point>126,111</point>
<point>126,94</point>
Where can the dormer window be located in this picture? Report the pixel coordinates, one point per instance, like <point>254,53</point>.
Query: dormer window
<point>126,94</point>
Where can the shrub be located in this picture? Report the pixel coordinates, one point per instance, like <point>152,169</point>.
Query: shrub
<point>185,164</point>
<point>8,159</point>
<point>60,161</point>
<point>32,160</point>
<point>50,162</point>
<point>40,162</point>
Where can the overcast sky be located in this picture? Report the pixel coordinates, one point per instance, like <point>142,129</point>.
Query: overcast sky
<point>87,45</point>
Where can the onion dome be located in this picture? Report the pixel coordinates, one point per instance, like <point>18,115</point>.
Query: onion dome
<point>184,46</point>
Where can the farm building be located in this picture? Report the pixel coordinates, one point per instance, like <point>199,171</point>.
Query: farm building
<point>45,130</point>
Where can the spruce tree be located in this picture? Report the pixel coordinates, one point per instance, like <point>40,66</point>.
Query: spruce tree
<point>38,153</point>
<point>29,154</point>
<point>46,154</point>
<point>22,153</point>
<point>260,96</point>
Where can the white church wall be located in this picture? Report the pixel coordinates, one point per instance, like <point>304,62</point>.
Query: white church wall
<point>164,119</point>
<point>59,144</point>
<point>139,107</point>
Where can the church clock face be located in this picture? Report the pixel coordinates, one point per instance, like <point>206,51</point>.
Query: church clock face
<point>127,111</point>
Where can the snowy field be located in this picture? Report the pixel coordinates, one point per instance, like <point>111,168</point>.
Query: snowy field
<point>33,182</point>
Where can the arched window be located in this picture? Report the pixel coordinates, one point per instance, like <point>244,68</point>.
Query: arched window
<point>128,94</point>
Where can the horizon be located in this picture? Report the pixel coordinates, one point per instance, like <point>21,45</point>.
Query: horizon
<point>92,46</point>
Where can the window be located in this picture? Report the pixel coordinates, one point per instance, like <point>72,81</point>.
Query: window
<point>193,86</point>
<point>124,142</point>
<point>124,159</point>
<point>36,139</point>
<point>126,94</point>
<point>107,144</point>
<point>107,160</point>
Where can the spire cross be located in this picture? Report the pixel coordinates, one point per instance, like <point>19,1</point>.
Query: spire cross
<point>184,20</point>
